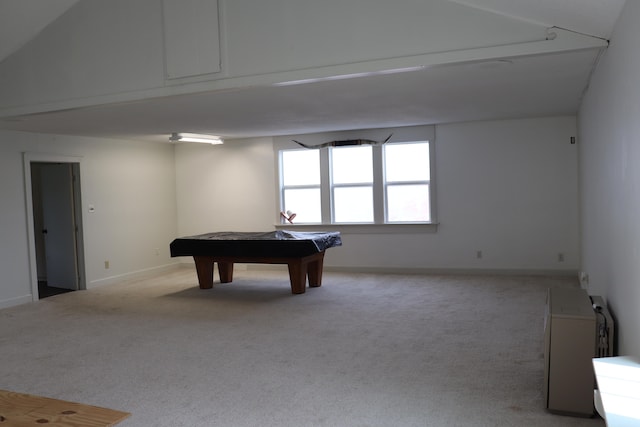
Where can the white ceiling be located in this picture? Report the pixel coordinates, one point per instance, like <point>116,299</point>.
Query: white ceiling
<point>524,87</point>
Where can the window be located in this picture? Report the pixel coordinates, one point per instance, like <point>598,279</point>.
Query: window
<point>300,186</point>
<point>407,181</point>
<point>361,184</point>
<point>352,184</point>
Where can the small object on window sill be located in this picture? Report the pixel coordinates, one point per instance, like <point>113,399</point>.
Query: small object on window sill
<point>289,216</point>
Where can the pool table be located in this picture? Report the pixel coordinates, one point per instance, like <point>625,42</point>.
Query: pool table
<point>303,252</point>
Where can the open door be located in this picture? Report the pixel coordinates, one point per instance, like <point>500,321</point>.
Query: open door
<point>54,222</point>
<point>55,227</point>
<point>59,225</point>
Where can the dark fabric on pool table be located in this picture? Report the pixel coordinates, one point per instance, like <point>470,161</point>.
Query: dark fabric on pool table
<point>277,244</point>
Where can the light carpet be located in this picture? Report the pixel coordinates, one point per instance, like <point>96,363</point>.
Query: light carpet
<point>362,350</point>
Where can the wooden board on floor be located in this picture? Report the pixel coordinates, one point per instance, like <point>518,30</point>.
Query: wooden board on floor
<point>18,410</point>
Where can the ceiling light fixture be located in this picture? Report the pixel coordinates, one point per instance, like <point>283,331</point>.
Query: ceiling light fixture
<point>195,137</point>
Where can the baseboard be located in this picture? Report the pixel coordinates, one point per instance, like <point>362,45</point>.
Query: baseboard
<point>132,275</point>
<point>444,271</point>
<point>454,271</point>
<point>6,303</point>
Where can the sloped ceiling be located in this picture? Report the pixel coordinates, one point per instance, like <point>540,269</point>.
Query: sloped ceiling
<point>21,20</point>
<point>530,86</point>
<point>593,17</point>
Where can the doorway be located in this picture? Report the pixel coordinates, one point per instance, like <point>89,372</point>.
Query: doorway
<point>56,227</point>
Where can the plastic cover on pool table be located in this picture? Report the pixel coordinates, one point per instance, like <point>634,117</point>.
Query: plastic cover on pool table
<point>283,243</point>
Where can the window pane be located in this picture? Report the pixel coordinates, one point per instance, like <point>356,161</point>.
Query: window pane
<point>305,203</point>
<point>301,167</point>
<point>407,162</point>
<point>408,203</point>
<point>353,204</point>
<point>351,165</point>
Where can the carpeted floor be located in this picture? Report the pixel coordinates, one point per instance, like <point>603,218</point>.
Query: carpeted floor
<point>362,350</point>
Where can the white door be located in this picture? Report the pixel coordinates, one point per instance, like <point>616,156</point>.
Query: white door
<point>59,225</point>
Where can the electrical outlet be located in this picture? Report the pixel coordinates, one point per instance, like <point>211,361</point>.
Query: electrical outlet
<point>560,257</point>
<point>584,281</point>
<point>106,264</point>
<point>479,254</point>
<point>584,277</point>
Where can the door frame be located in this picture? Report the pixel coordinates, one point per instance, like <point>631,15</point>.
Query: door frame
<point>76,162</point>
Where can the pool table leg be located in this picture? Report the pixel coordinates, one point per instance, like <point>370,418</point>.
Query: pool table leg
<point>225,270</point>
<point>300,268</point>
<point>297,276</point>
<point>314,271</point>
<point>204,268</point>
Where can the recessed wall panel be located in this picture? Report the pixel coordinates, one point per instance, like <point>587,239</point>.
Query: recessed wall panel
<point>191,38</point>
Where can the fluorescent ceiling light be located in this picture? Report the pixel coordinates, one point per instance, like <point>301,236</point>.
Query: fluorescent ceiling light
<point>195,137</point>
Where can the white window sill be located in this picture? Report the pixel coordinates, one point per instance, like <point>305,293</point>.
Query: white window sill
<point>618,395</point>
<point>404,228</point>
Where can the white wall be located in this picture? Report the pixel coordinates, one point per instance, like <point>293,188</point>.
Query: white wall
<point>228,187</point>
<point>609,129</point>
<point>507,188</point>
<point>132,186</point>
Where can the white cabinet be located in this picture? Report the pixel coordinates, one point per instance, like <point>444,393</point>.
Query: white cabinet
<point>569,347</point>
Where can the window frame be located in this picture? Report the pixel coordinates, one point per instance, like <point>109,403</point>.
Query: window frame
<point>333,186</point>
<point>386,184</point>
<point>282,188</point>
<point>400,135</point>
